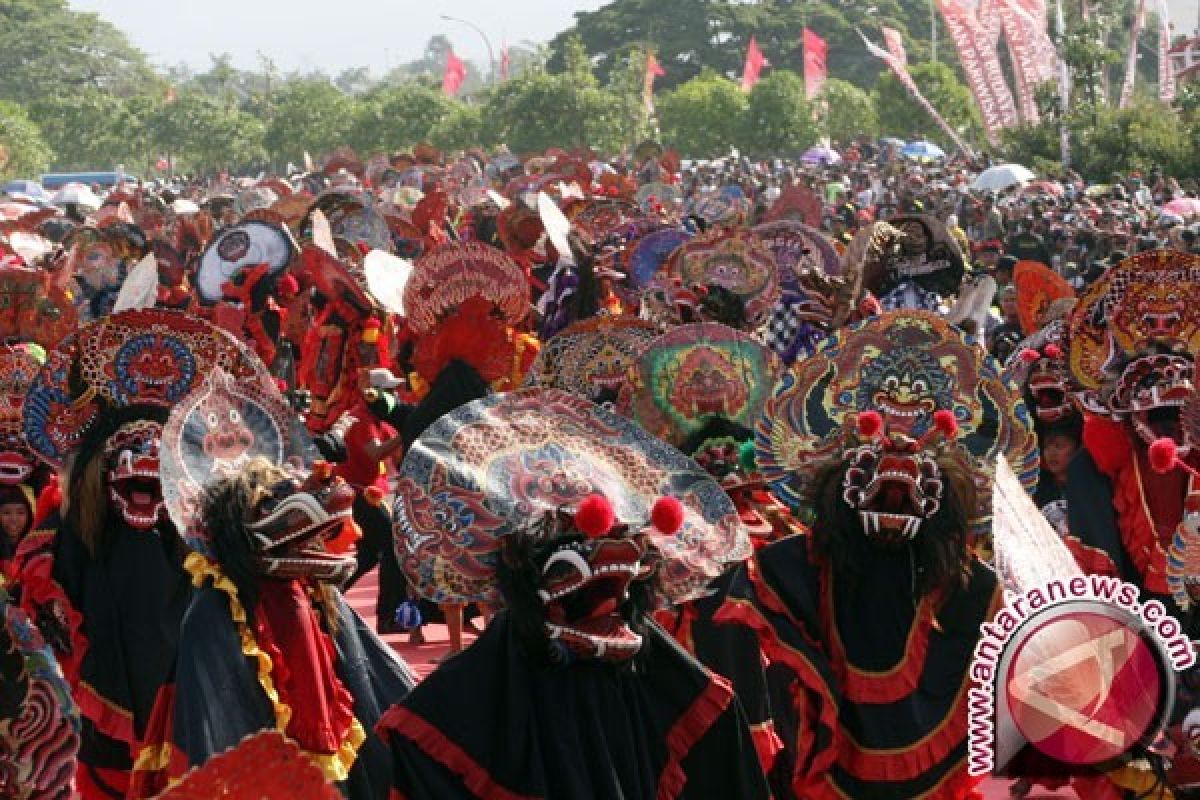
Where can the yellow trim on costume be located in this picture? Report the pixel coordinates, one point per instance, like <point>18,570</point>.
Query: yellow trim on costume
<point>335,766</point>
<point>153,758</point>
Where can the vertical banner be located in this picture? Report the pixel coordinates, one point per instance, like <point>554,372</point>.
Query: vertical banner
<point>815,70</point>
<point>981,64</point>
<point>1034,59</point>
<point>1139,19</point>
<point>653,70</point>
<point>1166,71</point>
<point>454,75</point>
<point>900,69</point>
<point>505,63</point>
<point>755,61</point>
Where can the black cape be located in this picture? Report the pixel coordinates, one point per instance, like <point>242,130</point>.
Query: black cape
<point>131,598</point>
<point>219,700</point>
<point>911,743</point>
<point>488,724</point>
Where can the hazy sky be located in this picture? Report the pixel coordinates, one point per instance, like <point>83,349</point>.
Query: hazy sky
<point>330,35</point>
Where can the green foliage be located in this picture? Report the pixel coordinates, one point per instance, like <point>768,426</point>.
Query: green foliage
<point>48,50</point>
<point>395,117</point>
<point>703,117</point>
<point>461,129</point>
<point>1105,140</point>
<point>845,111</point>
<point>628,83</point>
<point>310,115</point>
<point>779,120</point>
<point>203,134</point>
<point>92,129</point>
<point>536,111</point>
<point>900,115</point>
<point>23,152</point>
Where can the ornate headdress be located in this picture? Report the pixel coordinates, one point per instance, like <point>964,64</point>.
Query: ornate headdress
<point>896,388</point>
<point>592,358</point>
<point>695,373</point>
<point>1133,337</point>
<point>484,471</point>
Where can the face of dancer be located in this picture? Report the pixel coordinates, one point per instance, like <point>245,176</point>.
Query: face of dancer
<point>1057,450</point>
<point>14,519</point>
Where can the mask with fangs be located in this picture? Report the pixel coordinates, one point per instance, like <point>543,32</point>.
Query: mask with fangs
<point>577,583</point>
<point>131,473</point>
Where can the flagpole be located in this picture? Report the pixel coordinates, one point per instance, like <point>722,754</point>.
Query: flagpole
<point>487,42</point>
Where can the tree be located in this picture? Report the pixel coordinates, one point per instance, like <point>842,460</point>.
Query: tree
<point>310,115</point>
<point>536,111</point>
<point>203,134</point>
<point>778,119</point>
<point>845,111</point>
<point>692,35</point>
<point>396,117</point>
<point>703,117</point>
<point>461,129</point>
<point>900,115</point>
<point>92,129</point>
<point>48,50</point>
<point>23,152</point>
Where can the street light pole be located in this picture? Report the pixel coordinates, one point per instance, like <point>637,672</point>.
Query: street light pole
<point>482,35</point>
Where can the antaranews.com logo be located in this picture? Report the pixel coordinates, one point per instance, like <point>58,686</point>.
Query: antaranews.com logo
<point>1080,669</point>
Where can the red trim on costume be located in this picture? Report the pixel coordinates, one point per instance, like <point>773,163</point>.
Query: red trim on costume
<point>97,783</point>
<point>689,729</point>
<point>885,686</point>
<point>810,767</point>
<point>399,721</point>
<point>39,590</point>
<point>678,622</point>
<point>1092,560</point>
<point>109,718</point>
<point>767,744</point>
<point>1112,449</point>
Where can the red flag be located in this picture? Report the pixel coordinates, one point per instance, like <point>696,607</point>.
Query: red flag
<point>815,51</point>
<point>455,74</point>
<point>754,65</point>
<point>504,62</point>
<point>653,70</point>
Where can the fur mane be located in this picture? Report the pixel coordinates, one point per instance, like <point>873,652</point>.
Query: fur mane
<point>941,550</point>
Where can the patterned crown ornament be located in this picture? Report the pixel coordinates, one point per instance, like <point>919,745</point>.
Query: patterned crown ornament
<point>906,366</point>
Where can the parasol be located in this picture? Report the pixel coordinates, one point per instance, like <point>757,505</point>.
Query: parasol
<point>1001,177</point>
<point>922,151</point>
<point>820,155</point>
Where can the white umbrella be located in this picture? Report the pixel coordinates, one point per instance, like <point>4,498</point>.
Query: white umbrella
<point>77,194</point>
<point>1002,176</point>
<point>184,206</point>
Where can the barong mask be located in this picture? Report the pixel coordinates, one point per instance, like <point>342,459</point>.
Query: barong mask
<point>131,473</point>
<point>939,412</point>
<point>1150,392</point>
<point>590,575</point>
<point>299,529</point>
<point>1048,386</point>
<point>894,482</point>
<point>1133,336</point>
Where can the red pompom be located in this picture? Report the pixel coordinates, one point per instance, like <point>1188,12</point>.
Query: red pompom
<point>1053,351</point>
<point>1163,455</point>
<point>944,421</point>
<point>870,423</point>
<point>595,516</point>
<point>1029,355</point>
<point>363,247</point>
<point>288,285</point>
<point>667,515</point>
